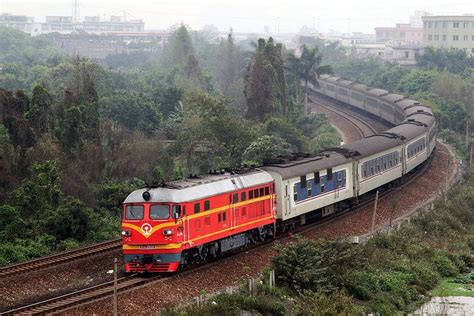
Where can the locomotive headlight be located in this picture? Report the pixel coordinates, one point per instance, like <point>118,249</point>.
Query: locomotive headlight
<point>126,233</point>
<point>167,232</point>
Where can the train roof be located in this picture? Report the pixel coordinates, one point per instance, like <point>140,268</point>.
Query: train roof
<point>406,103</point>
<point>360,87</point>
<point>200,187</point>
<point>374,144</point>
<point>324,77</point>
<point>344,82</point>
<point>424,118</point>
<point>418,109</point>
<point>377,92</point>
<point>408,129</point>
<point>332,79</point>
<point>392,97</point>
<point>295,168</point>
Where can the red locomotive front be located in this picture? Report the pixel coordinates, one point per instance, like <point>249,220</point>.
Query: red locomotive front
<point>188,221</point>
<point>152,234</point>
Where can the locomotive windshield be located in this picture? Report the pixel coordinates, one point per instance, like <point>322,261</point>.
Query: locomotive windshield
<point>134,212</point>
<point>159,212</point>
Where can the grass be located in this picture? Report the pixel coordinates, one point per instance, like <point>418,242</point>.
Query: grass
<point>455,287</point>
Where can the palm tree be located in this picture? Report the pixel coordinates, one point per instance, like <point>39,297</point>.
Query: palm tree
<point>308,69</point>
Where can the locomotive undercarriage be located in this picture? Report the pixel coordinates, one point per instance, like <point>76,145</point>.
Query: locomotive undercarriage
<point>223,246</point>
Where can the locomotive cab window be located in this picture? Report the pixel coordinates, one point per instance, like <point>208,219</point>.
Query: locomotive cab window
<point>207,205</point>
<point>267,190</point>
<point>159,212</point>
<point>134,212</point>
<point>262,192</point>
<point>178,211</point>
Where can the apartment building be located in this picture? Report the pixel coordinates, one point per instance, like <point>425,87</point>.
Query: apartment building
<point>449,32</point>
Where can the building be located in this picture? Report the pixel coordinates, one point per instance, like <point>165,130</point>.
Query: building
<point>66,25</point>
<point>416,20</point>
<point>400,55</point>
<point>449,32</point>
<point>19,22</point>
<point>401,35</point>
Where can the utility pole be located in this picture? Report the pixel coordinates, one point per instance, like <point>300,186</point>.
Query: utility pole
<point>115,288</point>
<point>373,215</point>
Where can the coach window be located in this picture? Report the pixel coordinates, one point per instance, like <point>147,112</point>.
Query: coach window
<point>329,174</point>
<point>197,207</point>
<point>207,205</point>
<point>235,198</point>
<point>250,194</point>
<point>322,185</point>
<point>309,186</point>
<point>159,212</point>
<point>295,193</point>
<point>243,196</point>
<point>134,212</point>
<point>316,177</point>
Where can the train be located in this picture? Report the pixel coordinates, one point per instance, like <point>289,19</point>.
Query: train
<point>183,222</point>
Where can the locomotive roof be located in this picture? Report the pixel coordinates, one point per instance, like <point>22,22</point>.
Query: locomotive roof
<point>199,188</point>
<point>292,169</point>
<point>374,144</point>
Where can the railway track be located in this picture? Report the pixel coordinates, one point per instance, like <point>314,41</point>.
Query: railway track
<point>60,258</point>
<point>363,128</point>
<point>135,281</point>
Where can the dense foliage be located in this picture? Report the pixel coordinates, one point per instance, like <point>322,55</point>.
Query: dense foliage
<point>77,136</point>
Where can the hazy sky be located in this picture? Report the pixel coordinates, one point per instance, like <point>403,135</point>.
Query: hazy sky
<point>248,15</point>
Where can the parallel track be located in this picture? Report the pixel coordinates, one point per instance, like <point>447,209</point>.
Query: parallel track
<point>132,282</point>
<point>364,128</point>
<point>60,258</point>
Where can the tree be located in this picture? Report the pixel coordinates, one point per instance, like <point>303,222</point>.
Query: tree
<point>308,69</point>
<point>266,146</point>
<point>265,85</point>
<point>38,113</point>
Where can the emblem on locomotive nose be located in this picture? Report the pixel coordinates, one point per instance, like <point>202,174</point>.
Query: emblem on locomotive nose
<point>146,229</point>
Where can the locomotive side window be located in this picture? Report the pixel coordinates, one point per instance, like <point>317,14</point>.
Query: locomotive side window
<point>134,212</point>
<point>267,190</point>
<point>159,212</point>
<point>244,212</point>
<point>243,196</point>
<point>235,198</point>
<point>197,207</point>
<point>207,205</point>
<point>255,193</point>
<point>250,194</point>
<point>262,192</point>
<point>207,221</point>
<point>224,216</point>
<point>219,217</point>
